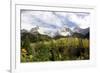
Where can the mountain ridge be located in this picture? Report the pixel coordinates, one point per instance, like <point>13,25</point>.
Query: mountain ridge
<point>62,32</point>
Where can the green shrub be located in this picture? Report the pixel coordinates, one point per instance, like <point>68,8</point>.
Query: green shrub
<point>57,50</point>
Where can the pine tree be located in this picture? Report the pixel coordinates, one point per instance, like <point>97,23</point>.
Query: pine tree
<point>26,45</point>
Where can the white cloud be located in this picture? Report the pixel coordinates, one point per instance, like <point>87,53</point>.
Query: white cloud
<point>28,19</point>
<point>47,17</point>
<point>81,22</point>
<point>27,26</point>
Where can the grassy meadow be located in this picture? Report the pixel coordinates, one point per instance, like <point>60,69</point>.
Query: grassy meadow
<point>61,49</point>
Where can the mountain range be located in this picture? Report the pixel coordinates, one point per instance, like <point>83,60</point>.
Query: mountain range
<point>61,32</point>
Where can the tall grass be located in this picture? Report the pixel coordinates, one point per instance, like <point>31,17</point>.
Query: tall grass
<point>58,50</point>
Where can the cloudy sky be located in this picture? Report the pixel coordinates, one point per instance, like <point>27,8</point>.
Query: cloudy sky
<point>51,20</point>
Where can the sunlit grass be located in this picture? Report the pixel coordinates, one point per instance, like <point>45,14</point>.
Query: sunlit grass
<point>61,49</point>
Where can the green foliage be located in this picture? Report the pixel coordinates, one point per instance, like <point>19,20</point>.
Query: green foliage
<point>70,48</point>
<point>26,44</point>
